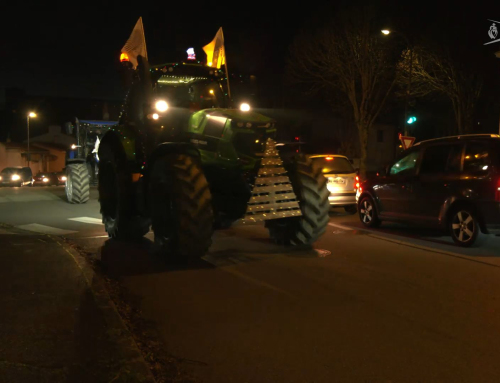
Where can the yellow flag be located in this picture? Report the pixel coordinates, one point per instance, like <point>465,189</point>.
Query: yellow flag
<point>136,44</point>
<point>216,54</point>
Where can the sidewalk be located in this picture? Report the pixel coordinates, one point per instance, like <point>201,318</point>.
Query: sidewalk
<point>57,323</point>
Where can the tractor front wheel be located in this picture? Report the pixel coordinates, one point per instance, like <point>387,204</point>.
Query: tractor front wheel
<point>309,185</point>
<point>117,197</point>
<point>180,207</point>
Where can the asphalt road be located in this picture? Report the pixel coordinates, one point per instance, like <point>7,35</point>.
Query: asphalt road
<point>396,304</point>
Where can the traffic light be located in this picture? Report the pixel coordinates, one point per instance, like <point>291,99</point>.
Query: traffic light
<point>411,119</point>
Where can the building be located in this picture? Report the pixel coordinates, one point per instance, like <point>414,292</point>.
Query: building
<point>44,157</point>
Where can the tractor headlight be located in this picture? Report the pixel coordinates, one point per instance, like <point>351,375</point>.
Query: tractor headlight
<point>244,107</point>
<point>15,177</point>
<point>161,106</point>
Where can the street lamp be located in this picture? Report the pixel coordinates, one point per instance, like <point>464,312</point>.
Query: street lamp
<point>409,46</point>
<point>32,115</point>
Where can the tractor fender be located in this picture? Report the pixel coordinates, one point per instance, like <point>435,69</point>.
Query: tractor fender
<point>173,148</point>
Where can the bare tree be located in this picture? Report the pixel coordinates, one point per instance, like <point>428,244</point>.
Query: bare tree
<point>347,58</point>
<point>435,71</point>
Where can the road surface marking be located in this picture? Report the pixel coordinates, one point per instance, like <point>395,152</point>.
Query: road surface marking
<point>94,221</point>
<point>340,226</point>
<point>45,229</point>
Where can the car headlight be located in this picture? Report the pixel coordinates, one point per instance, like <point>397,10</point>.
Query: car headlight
<point>15,177</point>
<point>244,107</point>
<point>45,179</point>
<point>0,178</point>
<point>161,106</point>
<point>63,178</point>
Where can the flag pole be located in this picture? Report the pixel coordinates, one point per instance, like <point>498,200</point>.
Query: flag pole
<point>227,74</point>
<point>225,65</point>
<point>144,39</point>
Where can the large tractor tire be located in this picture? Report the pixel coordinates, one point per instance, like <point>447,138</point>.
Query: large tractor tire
<point>77,183</point>
<point>181,207</point>
<point>117,196</point>
<point>309,185</point>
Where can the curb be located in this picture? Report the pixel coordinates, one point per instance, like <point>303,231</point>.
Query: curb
<point>137,368</point>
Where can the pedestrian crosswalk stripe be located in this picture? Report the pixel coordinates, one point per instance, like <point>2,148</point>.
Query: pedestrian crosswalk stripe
<point>45,229</point>
<point>94,221</point>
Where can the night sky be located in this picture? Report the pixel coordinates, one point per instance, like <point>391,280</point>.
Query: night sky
<point>72,48</point>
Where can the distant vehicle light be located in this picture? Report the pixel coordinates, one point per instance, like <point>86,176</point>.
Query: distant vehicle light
<point>156,116</point>
<point>328,158</point>
<point>63,178</point>
<point>73,147</point>
<point>211,91</point>
<point>45,179</point>
<point>161,106</point>
<point>15,177</point>
<point>244,107</point>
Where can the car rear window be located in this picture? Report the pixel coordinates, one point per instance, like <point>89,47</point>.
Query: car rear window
<point>338,165</point>
<point>477,158</point>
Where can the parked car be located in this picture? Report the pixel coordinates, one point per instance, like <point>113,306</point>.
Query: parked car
<point>343,180</point>
<point>45,179</point>
<point>451,183</point>
<point>16,176</point>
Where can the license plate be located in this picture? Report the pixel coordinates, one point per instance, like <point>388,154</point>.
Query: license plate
<point>337,180</point>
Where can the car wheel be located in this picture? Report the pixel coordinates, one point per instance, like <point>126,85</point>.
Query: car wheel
<point>351,209</point>
<point>368,213</point>
<point>464,227</point>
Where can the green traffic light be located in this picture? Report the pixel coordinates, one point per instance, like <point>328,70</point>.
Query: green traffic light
<point>411,120</point>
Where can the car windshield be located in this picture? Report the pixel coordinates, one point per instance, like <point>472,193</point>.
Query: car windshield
<point>11,170</point>
<point>338,165</point>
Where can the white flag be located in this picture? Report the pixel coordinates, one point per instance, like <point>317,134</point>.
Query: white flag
<point>136,44</point>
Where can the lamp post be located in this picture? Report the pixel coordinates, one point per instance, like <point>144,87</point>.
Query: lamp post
<point>30,114</point>
<point>408,90</point>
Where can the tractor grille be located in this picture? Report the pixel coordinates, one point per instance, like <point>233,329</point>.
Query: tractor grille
<point>272,193</point>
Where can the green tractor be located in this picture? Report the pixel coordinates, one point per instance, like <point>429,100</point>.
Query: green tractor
<point>184,163</point>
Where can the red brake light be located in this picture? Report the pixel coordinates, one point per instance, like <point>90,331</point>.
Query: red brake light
<point>497,191</point>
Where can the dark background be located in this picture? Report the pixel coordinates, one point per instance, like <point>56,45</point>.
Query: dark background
<point>71,49</point>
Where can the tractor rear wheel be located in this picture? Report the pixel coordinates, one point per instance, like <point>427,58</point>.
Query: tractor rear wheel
<point>309,185</point>
<point>180,207</point>
<point>77,183</point>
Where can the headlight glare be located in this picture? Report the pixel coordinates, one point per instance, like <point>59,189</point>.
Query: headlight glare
<point>15,177</point>
<point>161,106</point>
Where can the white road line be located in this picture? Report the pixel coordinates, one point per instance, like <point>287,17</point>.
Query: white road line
<point>341,226</point>
<point>94,221</point>
<point>45,229</point>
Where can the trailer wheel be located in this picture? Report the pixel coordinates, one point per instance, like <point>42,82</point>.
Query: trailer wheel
<point>77,183</point>
<point>181,207</point>
<point>309,185</point>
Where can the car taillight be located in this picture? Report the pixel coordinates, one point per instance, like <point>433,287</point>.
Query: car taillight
<point>497,191</point>
<point>357,182</point>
